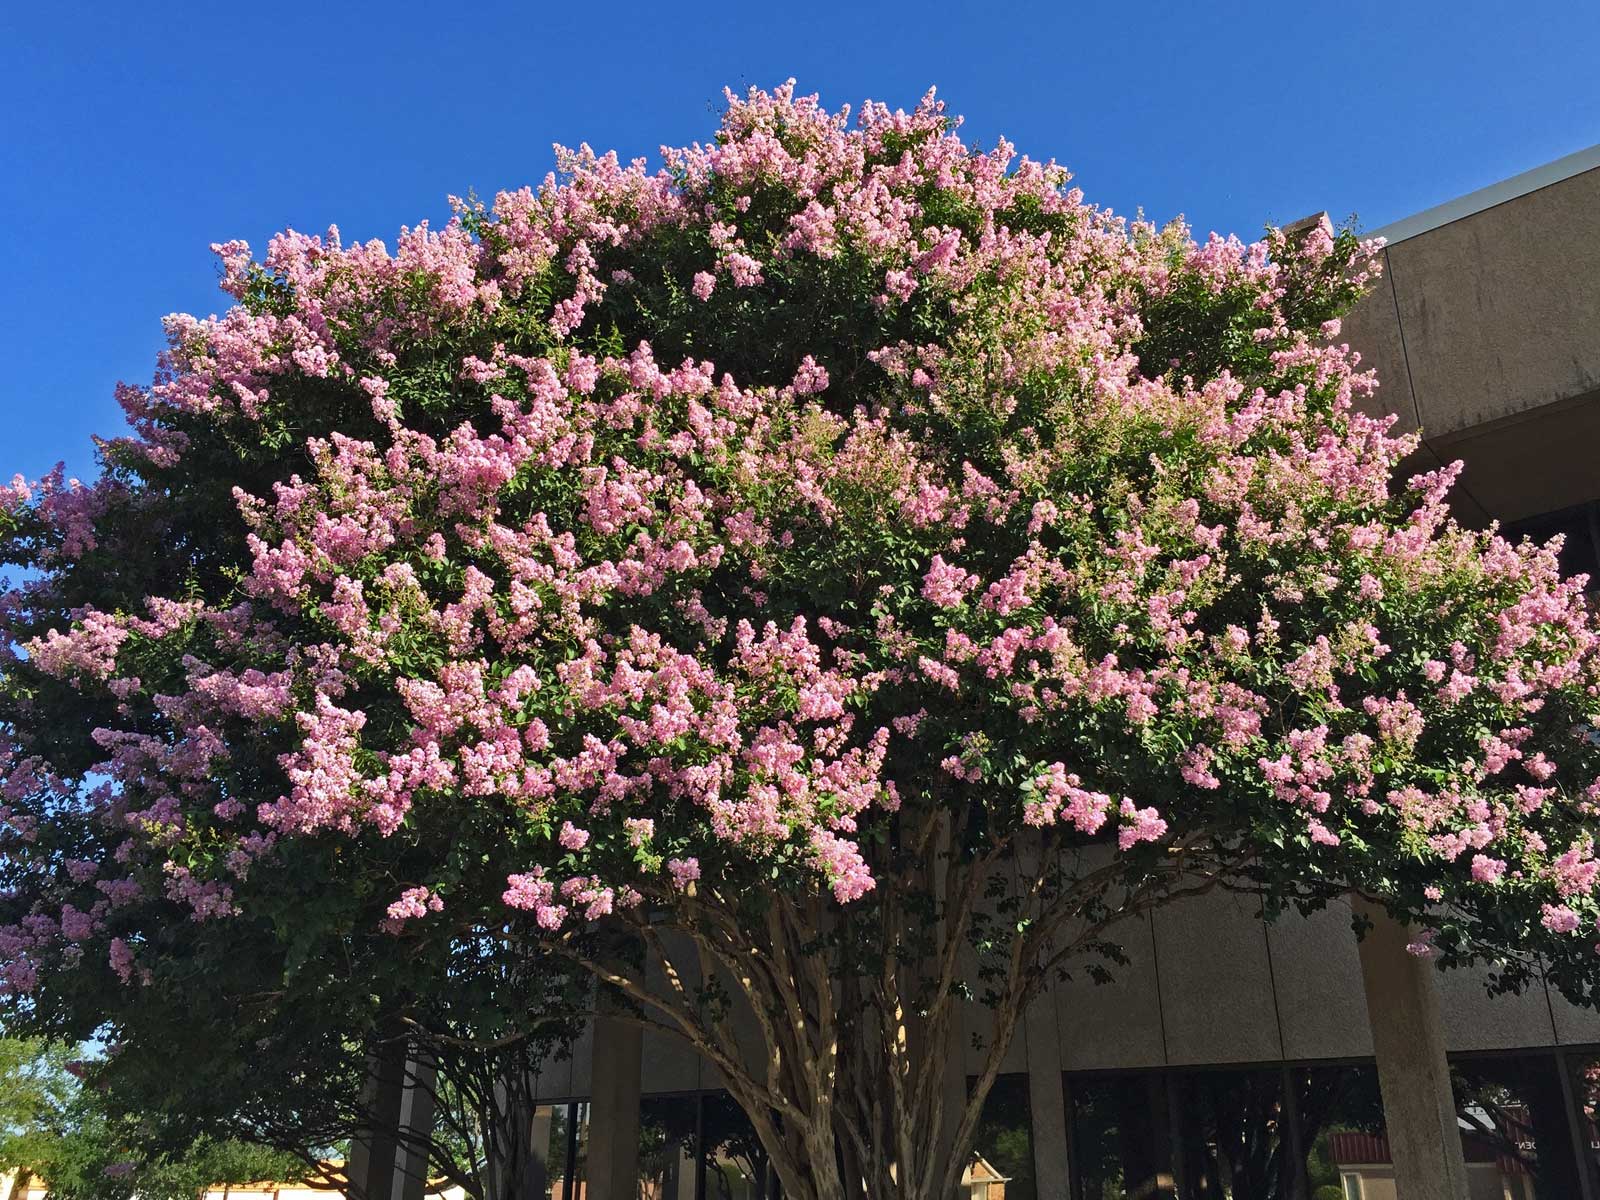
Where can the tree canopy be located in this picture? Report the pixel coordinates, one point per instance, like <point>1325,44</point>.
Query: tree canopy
<point>771,584</point>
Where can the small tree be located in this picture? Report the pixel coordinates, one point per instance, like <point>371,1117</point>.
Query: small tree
<point>279,1040</point>
<point>36,1095</point>
<point>59,1133</point>
<point>775,583</point>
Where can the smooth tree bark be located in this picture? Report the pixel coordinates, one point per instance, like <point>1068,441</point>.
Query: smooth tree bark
<point>829,1036</point>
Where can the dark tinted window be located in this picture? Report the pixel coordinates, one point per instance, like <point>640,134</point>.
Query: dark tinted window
<point>735,1164</point>
<point>577,1152</point>
<point>1581,527</point>
<point>1513,1115</point>
<point>1121,1146</point>
<point>1343,1148</point>
<point>1002,1162</point>
<point>1232,1138</point>
<point>1585,1069</point>
<point>667,1129</point>
<point>1198,1135</point>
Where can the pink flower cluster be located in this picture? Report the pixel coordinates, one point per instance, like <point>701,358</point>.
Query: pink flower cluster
<point>669,624</point>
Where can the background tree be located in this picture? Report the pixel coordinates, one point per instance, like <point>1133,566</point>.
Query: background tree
<point>281,1054</point>
<point>772,584</point>
<point>58,1133</point>
<point>36,1094</point>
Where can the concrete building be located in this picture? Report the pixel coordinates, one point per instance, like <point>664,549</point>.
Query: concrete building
<point>1238,1058</point>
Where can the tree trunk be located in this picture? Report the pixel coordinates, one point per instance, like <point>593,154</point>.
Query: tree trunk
<point>515,1169</point>
<point>854,1012</point>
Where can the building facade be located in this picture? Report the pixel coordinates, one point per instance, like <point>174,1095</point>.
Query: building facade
<point>1234,1057</point>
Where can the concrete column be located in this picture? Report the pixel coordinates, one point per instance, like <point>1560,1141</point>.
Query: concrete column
<point>1408,1037</point>
<point>539,1146</point>
<point>688,1185</point>
<point>415,1130</point>
<point>613,1168</point>
<point>1047,1101</point>
<point>1047,1098</point>
<point>371,1170</point>
<point>955,1081</point>
<point>390,1160</point>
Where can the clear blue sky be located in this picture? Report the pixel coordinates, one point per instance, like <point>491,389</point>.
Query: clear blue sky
<point>135,134</point>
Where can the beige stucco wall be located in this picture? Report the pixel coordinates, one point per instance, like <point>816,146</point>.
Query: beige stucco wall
<point>1485,333</point>
<point>1208,982</point>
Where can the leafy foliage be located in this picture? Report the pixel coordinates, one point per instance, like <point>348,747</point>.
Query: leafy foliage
<point>755,585</point>
<point>58,1132</point>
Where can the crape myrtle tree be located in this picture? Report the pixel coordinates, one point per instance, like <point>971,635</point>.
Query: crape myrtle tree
<point>816,588</point>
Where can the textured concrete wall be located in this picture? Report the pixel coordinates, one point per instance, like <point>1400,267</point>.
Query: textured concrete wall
<point>1116,1024</point>
<point>1374,330</point>
<point>1500,312</point>
<point>1316,975</point>
<point>1485,333</point>
<point>669,1063</point>
<point>1217,994</point>
<point>1207,981</point>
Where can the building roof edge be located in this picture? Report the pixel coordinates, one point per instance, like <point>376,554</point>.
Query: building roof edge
<point>1496,193</point>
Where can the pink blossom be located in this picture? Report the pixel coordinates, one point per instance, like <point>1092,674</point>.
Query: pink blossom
<point>1138,825</point>
<point>946,584</point>
<point>810,378</point>
<point>842,864</point>
<point>121,959</point>
<point>1486,869</point>
<point>1559,918</point>
<point>413,903</point>
<point>1422,945</point>
<point>723,609</point>
<point>684,871</point>
<point>533,893</point>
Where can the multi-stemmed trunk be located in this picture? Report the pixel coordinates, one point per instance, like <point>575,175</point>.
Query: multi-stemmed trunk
<point>835,1028</point>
